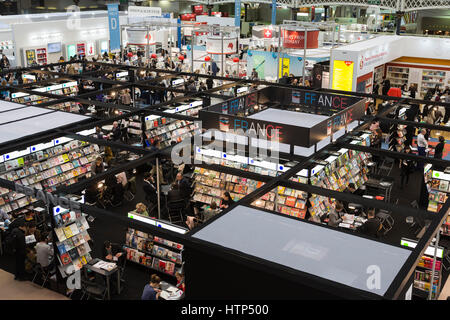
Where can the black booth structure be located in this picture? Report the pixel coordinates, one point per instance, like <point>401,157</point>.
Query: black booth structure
<point>250,252</point>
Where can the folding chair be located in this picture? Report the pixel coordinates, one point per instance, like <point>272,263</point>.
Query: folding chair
<point>387,222</point>
<point>93,289</point>
<point>386,167</point>
<point>39,270</point>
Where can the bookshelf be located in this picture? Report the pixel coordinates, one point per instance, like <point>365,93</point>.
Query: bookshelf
<point>431,78</point>
<point>439,188</point>
<point>284,200</point>
<point>41,56</point>
<point>64,89</point>
<point>209,186</point>
<point>378,74</point>
<point>73,247</point>
<point>397,137</point>
<point>153,252</point>
<point>81,49</point>
<point>397,76</point>
<point>347,167</point>
<point>167,129</point>
<point>45,167</point>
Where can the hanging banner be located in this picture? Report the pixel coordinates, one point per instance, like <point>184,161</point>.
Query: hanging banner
<point>237,13</point>
<point>293,39</point>
<point>214,45</point>
<point>114,27</point>
<point>140,37</point>
<point>198,9</point>
<point>284,67</point>
<point>264,33</point>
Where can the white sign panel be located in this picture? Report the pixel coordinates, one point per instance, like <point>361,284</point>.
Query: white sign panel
<point>135,11</point>
<point>214,45</point>
<point>140,37</point>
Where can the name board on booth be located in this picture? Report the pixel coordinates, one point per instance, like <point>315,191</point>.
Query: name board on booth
<point>324,100</point>
<point>343,118</point>
<point>114,27</point>
<point>294,39</point>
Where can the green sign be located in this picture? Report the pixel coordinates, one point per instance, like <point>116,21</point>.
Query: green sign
<point>374,2</point>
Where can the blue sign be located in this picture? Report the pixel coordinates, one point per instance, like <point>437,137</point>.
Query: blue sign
<point>179,32</point>
<point>237,13</point>
<point>274,12</point>
<point>114,26</point>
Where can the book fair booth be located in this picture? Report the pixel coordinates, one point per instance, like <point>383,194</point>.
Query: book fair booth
<point>284,153</point>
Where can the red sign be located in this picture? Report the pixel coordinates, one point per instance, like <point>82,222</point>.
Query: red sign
<point>268,33</point>
<point>198,9</point>
<point>188,17</point>
<point>296,39</point>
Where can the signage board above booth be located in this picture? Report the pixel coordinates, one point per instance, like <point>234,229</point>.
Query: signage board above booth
<point>141,11</point>
<point>295,39</point>
<point>226,117</point>
<point>217,45</point>
<point>140,37</point>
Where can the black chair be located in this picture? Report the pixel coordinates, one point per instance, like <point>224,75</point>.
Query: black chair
<point>45,273</point>
<point>175,206</point>
<point>95,289</point>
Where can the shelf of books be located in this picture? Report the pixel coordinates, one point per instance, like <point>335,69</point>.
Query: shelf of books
<point>431,78</point>
<point>348,166</point>
<point>41,56</point>
<point>438,191</point>
<point>284,200</point>
<point>167,129</point>
<point>153,252</point>
<point>209,186</point>
<point>397,76</point>
<point>44,167</point>
<point>64,89</point>
<point>73,247</point>
<point>424,270</point>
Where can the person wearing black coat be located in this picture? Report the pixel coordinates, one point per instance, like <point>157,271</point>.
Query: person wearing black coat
<point>18,236</point>
<point>150,188</point>
<point>439,149</point>
<point>406,168</point>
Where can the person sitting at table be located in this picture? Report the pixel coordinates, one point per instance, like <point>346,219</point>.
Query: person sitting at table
<point>210,211</point>
<point>98,166</point>
<point>141,209</point>
<point>111,252</point>
<point>98,133</point>
<point>226,200</point>
<point>372,226</point>
<point>152,290</point>
<point>28,217</point>
<point>180,281</point>
<point>335,215</point>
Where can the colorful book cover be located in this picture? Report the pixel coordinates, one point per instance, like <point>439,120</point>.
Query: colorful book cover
<point>68,244</point>
<point>65,258</point>
<point>73,254</point>
<point>60,234</point>
<point>61,248</point>
<point>68,232</point>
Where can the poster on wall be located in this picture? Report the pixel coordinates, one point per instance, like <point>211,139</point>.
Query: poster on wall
<point>214,45</point>
<point>284,67</point>
<point>342,75</point>
<point>103,46</point>
<point>31,56</point>
<point>90,49</point>
<point>259,65</point>
<point>71,51</point>
<point>294,39</point>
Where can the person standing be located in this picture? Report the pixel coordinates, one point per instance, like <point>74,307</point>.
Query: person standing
<point>18,236</point>
<point>210,83</point>
<point>44,252</point>
<point>406,168</point>
<point>422,145</point>
<point>214,68</point>
<point>439,149</point>
<point>152,290</point>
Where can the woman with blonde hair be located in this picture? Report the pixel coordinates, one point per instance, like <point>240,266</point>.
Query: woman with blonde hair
<point>141,209</point>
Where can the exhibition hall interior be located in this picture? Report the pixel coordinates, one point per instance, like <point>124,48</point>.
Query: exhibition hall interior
<point>213,149</point>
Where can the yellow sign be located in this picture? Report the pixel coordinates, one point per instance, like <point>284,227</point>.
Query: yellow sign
<point>284,63</point>
<point>342,75</point>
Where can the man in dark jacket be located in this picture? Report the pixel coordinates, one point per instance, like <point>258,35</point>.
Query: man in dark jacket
<point>183,185</point>
<point>150,188</point>
<point>372,225</point>
<point>18,236</point>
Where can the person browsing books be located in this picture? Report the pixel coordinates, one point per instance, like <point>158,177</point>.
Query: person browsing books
<point>44,252</point>
<point>98,166</point>
<point>152,290</point>
<point>226,200</point>
<point>141,209</point>
<point>335,216</point>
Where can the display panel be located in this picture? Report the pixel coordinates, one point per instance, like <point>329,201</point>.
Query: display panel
<point>54,47</point>
<point>343,75</point>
